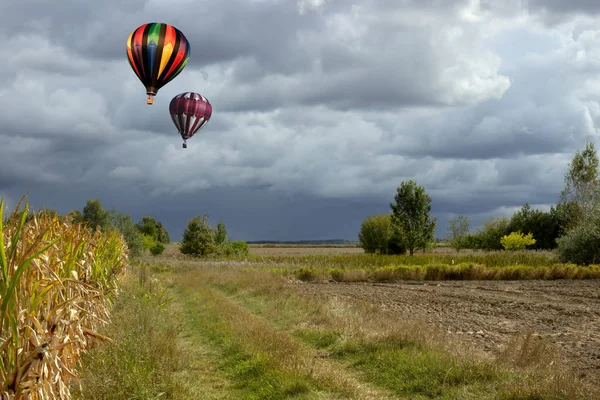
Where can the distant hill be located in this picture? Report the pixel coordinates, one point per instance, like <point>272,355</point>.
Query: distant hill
<point>328,241</point>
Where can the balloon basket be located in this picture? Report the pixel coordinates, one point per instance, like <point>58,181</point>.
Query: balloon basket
<point>150,100</point>
<point>184,146</point>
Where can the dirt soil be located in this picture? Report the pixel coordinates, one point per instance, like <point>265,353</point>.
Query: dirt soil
<point>488,314</point>
<point>304,250</point>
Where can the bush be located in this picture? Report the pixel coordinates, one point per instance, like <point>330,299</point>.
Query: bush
<point>375,231</point>
<point>580,245</point>
<point>157,249</point>
<point>517,241</point>
<point>240,248</point>
<point>148,241</point>
<point>230,248</point>
<point>305,274</point>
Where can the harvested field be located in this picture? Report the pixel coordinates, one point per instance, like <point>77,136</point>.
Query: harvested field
<point>489,314</point>
<point>304,250</point>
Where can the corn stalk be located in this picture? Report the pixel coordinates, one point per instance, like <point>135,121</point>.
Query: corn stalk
<point>56,285</point>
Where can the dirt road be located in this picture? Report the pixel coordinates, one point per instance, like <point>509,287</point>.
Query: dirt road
<point>488,314</point>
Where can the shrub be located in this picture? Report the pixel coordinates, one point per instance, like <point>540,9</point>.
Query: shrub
<point>157,249</point>
<point>517,241</point>
<point>375,231</point>
<point>580,245</point>
<point>240,248</point>
<point>148,241</point>
<point>305,274</point>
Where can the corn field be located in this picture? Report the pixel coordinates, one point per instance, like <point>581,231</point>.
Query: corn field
<point>56,286</point>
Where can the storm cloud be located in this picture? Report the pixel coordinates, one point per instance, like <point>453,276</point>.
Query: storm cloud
<point>321,109</point>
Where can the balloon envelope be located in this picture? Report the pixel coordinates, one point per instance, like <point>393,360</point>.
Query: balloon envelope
<point>157,53</point>
<point>190,112</point>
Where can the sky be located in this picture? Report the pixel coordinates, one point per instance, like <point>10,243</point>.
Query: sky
<point>321,108</point>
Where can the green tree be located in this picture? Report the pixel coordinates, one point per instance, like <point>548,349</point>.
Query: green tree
<point>221,233</point>
<point>75,216</point>
<point>543,225</point>
<point>457,232</point>
<point>94,215</point>
<point>154,228</point>
<point>148,226</point>
<point>163,234</point>
<point>492,231</point>
<point>410,216</point>
<point>579,197</point>
<point>581,244</point>
<point>199,237</point>
<point>375,233</point>
<point>124,224</point>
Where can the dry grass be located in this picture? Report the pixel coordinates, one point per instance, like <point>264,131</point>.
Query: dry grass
<point>56,284</point>
<point>304,250</point>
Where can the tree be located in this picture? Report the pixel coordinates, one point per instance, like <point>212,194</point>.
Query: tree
<point>457,232</point>
<point>198,237</point>
<point>75,216</point>
<point>543,225</point>
<point>375,233</point>
<point>579,197</point>
<point>488,237</point>
<point>153,228</point>
<point>94,215</point>
<point>221,234</point>
<point>163,234</point>
<point>410,216</point>
<point>581,244</point>
<point>124,224</point>
<point>148,226</point>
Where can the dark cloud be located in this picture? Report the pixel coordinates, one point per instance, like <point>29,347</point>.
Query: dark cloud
<point>321,109</point>
<point>560,6</point>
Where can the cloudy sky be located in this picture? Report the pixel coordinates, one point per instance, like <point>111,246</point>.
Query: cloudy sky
<point>321,108</point>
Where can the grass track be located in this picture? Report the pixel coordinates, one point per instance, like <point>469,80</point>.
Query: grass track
<point>266,362</point>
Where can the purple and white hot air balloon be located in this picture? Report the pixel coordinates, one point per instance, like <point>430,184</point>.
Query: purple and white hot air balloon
<point>190,112</point>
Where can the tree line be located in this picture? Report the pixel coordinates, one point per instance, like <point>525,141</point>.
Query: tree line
<point>199,238</point>
<point>571,227</point>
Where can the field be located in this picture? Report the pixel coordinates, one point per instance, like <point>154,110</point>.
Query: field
<point>330,323</point>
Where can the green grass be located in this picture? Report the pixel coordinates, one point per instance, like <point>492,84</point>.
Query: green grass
<point>142,360</point>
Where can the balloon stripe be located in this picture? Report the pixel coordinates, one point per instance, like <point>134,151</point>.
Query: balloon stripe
<point>159,32</point>
<point>144,58</point>
<point>138,55</point>
<point>169,42</point>
<point>182,52</point>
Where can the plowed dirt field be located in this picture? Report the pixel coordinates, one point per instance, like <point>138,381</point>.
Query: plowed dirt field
<point>488,314</point>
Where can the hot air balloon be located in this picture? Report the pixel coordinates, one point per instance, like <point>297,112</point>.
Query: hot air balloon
<point>190,112</point>
<point>157,53</point>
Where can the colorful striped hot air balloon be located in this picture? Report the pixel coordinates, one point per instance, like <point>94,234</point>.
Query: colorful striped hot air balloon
<point>157,53</point>
<point>190,112</point>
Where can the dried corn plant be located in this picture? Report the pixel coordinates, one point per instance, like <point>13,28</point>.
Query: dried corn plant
<point>57,280</point>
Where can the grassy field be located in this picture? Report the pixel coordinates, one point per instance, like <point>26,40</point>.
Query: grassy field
<point>238,329</point>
